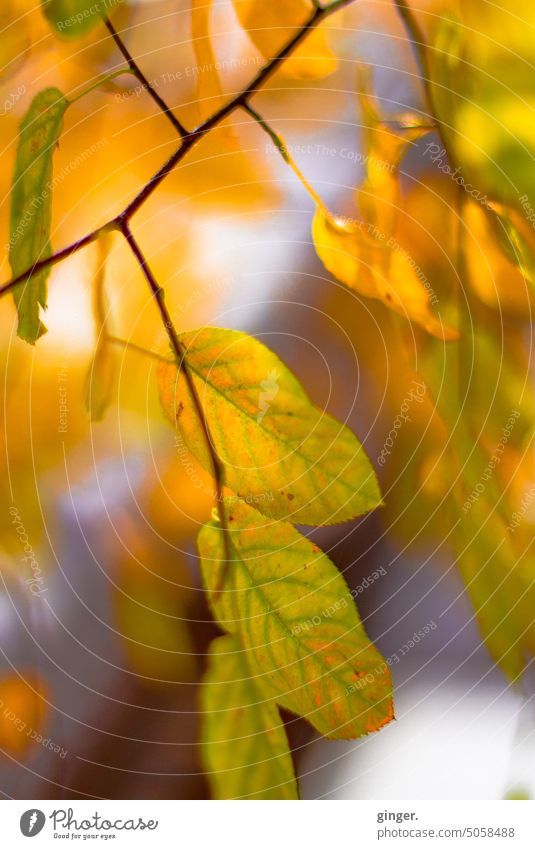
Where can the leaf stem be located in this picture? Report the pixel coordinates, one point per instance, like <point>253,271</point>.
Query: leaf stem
<point>139,349</point>
<point>106,78</point>
<point>420,48</point>
<point>279,143</point>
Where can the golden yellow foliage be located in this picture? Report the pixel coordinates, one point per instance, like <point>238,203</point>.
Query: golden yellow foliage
<point>271,25</point>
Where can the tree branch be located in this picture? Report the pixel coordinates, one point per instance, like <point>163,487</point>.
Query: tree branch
<point>136,70</point>
<point>319,14</point>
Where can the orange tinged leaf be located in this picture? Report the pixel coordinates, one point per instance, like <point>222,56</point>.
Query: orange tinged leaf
<point>377,266</point>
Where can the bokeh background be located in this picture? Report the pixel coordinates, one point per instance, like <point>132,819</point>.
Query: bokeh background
<point>102,656</point>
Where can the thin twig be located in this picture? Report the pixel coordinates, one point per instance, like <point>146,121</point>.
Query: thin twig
<point>189,140</point>
<point>416,37</point>
<point>58,256</point>
<point>179,352</point>
<point>281,146</point>
<point>139,349</point>
<point>419,45</point>
<point>136,70</point>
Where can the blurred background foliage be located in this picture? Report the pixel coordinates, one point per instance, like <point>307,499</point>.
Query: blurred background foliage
<point>107,669</point>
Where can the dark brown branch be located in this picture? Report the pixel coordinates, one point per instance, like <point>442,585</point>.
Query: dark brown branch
<point>179,353</point>
<point>136,70</point>
<point>54,258</point>
<point>319,14</point>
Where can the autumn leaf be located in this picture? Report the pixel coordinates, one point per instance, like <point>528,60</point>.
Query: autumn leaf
<point>244,742</point>
<point>209,89</point>
<point>31,204</point>
<point>498,581</point>
<point>291,459</point>
<point>271,25</point>
<point>375,265</point>
<point>292,611</point>
<point>75,18</point>
<point>486,117</point>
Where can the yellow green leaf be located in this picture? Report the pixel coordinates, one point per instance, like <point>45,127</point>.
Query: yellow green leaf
<point>487,116</point>
<point>31,204</point>
<point>499,581</point>
<point>75,18</point>
<point>292,460</point>
<point>245,748</point>
<point>271,25</point>
<point>293,613</point>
